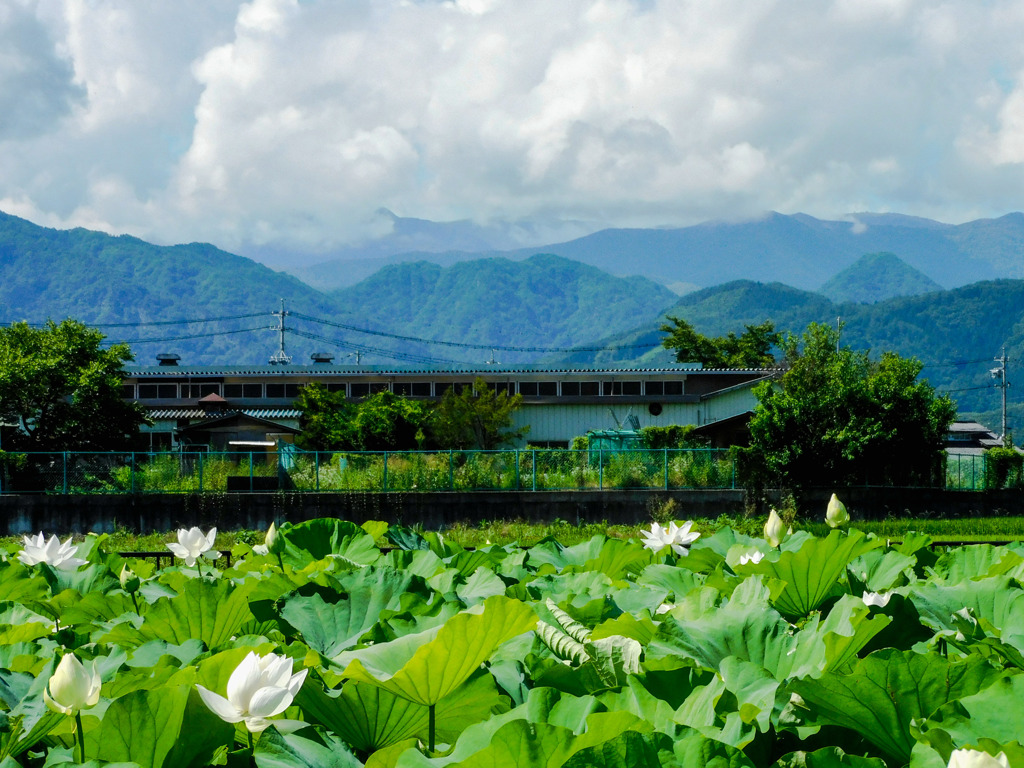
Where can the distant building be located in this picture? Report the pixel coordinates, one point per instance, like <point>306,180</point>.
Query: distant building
<point>969,437</point>
<point>186,403</point>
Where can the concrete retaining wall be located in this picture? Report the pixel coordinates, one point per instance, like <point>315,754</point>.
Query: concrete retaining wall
<point>21,514</point>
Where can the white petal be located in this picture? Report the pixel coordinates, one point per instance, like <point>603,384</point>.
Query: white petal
<point>267,702</point>
<point>220,706</point>
<point>245,681</point>
<point>296,682</point>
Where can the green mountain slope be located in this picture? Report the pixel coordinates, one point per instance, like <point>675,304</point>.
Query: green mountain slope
<point>877,276</point>
<point>133,288</point>
<point>543,301</point>
<point>956,334</point>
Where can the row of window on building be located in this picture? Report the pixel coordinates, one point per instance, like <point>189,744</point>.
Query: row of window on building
<point>280,391</point>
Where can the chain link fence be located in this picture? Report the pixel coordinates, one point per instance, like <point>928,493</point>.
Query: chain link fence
<point>389,471</point>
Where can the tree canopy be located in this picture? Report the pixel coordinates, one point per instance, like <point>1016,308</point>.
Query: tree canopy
<point>478,416</point>
<point>63,390</point>
<point>751,349</point>
<point>836,417</point>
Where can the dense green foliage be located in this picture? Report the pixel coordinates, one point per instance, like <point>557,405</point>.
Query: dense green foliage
<point>60,390</point>
<point>672,436</point>
<point>839,651</point>
<point>875,277</point>
<point>476,417</point>
<point>838,418</point>
<point>751,349</point>
<point>383,421</point>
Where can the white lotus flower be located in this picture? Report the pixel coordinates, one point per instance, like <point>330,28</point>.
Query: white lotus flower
<point>678,537</point>
<point>877,599</point>
<point>973,758</point>
<point>774,530</point>
<point>754,557</point>
<point>72,687</point>
<point>836,515</point>
<point>193,543</point>
<point>259,688</point>
<point>53,553</point>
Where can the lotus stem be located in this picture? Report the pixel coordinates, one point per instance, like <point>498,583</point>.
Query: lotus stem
<point>135,603</point>
<point>432,729</point>
<point>199,568</point>
<point>81,737</point>
<point>280,562</point>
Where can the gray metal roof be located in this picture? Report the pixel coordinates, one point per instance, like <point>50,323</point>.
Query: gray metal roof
<point>382,370</point>
<point>199,413</point>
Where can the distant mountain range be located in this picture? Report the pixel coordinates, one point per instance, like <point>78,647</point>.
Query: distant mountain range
<point>138,292</point>
<point>798,250</point>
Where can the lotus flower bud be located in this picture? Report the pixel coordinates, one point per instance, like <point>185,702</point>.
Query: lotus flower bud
<point>130,581</point>
<point>774,531</point>
<point>836,515</point>
<point>273,541</point>
<point>72,687</point>
<point>973,758</point>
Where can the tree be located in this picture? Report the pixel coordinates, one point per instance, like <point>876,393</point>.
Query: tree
<point>478,416</point>
<point>382,422</point>
<point>751,349</point>
<point>838,418</point>
<point>64,390</point>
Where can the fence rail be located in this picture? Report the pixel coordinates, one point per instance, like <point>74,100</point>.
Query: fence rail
<point>407,471</point>
<point>388,471</point>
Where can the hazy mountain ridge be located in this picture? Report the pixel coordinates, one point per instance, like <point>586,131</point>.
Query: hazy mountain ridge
<point>797,249</point>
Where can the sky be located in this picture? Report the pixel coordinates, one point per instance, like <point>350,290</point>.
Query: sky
<point>287,125</point>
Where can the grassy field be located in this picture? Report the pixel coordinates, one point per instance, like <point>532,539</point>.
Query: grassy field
<point>525,533</point>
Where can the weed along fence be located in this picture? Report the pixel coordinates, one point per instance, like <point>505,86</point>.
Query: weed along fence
<point>386,472</point>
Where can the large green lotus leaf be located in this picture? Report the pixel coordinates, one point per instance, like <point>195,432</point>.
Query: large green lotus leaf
<point>814,570</point>
<point>628,750</point>
<point>208,611</point>
<point>638,700</point>
<point>827,757</point>
<point>742,629</point>
<point>317,539</point>
<point>635,598</point>
<point>20,584</point>
<point>306,748</point>
<point>146,726</point>
<point>887,690</point>
<point>847,629</point>
<point>156,651</point>
<point>994,713</point>
<point>468,562</point>
<point>520,743</point>
<point>332,627</point>
<point>567,586</point>
<point>427,667</point>
<point>95,608</point>
<point>754,689</point>
<point>695,750</point>
<point>406,538</point>
<point>977,561</point>
<point>626,625</point>
<point>417,562</point>
<point>711,709</point>
<point>880,571</point>
<point>677,581</point>
<point>371,718</point>
<point>89,578</point>
<point>998,600</point>
<point>478,587</point>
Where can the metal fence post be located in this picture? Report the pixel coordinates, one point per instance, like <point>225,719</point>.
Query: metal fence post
<point>385,471</point>
<point>133,471</point>
<point>65,473</point>
<point>451,470</point>
<point>600,469</point>
<point>201,472</point>
<point>317,470</point>
<point>535,469</point>
<point>666,468</point>
<point>250,472</point>
<point>517,469</point>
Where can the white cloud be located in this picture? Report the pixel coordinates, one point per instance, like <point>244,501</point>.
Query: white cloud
<point>290,123</point>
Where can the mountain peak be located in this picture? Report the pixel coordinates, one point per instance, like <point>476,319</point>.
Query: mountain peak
<point>875,277</point>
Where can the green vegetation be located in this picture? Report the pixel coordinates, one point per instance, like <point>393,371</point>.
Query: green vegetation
<point>63,389</point>
<point>751,349</point>
<point>378,645</point>
<point>875,277</point>
<point>837,418</point>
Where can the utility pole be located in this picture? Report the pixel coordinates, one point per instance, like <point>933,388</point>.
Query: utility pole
<point>1000,374</point>
<point>280,357</point>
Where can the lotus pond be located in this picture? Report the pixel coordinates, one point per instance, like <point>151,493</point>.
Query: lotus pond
<point>325,650</point>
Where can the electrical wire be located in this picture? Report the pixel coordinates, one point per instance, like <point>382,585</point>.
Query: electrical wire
<point>190,336</point>
<point>143,324</point>
<point>407,356</point>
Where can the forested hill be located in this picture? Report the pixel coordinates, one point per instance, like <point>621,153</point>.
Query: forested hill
<point>878,276</point>
<point>545,301</point>
<point>956,333</point>
<point>105,280</point>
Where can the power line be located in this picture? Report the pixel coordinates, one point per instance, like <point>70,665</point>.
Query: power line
<point>189,336</point>
<point>363,348</point>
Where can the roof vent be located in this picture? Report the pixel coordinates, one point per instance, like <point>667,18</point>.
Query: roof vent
<point>322,358</point>
<point>168,358</point>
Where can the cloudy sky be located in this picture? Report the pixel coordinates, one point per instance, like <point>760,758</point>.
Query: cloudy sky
<point>287,124</point>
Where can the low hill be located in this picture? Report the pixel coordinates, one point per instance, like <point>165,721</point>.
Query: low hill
<point>875,277</point>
